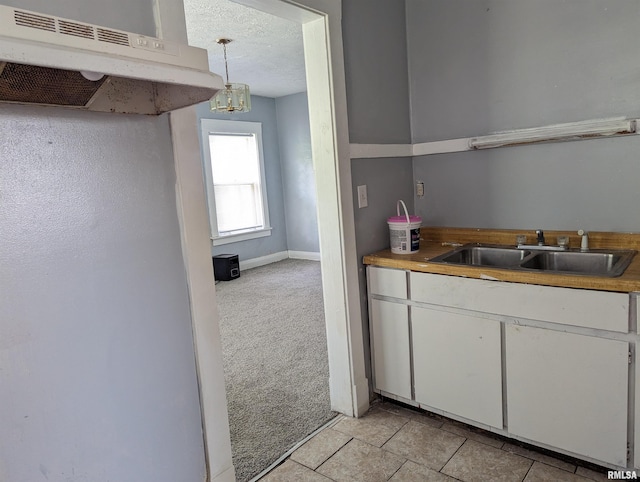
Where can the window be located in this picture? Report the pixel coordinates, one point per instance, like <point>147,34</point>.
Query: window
<point>234,171</point>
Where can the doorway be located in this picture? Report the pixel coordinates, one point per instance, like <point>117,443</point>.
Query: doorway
<point>329,133</point>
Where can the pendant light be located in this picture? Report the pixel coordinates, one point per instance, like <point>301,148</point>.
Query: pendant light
<point>234,97</point>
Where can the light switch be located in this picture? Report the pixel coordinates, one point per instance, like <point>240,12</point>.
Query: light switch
<point>362,196</point>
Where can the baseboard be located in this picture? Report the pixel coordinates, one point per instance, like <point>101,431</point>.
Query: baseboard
<point>310,255</point>
<point>275,257</point>
<point>361,391</point>
<point>228,475</point>
<point>262,260</point>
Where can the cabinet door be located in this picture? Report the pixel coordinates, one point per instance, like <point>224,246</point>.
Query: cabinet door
<point>568,391</point>
<point>457,364</point>
<point>390,346</point>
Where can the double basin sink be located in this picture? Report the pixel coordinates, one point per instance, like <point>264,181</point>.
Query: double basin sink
<point>595,262</point>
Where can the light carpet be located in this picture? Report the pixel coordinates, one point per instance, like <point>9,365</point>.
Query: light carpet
<point>274,347</point>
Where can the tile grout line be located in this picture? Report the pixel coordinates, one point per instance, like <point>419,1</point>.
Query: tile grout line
<point>528,470</point>
<point>396,432</point>
<point>452,456</point>
<point>288,453</point>
<point>398,470</point>
<point>332,454</point>
<point>387,440</point>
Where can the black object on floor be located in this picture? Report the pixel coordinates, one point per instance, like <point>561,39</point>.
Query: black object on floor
<point>226,267</point>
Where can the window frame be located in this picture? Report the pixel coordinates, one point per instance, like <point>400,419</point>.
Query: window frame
<point>217,126</point>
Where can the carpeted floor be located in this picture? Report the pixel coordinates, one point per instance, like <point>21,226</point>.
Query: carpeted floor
<point>275,360</point>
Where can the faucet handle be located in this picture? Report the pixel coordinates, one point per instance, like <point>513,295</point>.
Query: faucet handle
<point>584,244</point>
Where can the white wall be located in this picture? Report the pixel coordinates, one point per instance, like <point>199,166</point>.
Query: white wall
<point>96,350</point>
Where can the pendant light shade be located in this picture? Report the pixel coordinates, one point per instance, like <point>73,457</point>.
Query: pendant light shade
<point>234,97</point>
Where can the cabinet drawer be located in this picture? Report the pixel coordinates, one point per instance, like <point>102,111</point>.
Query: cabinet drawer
<point>387,282</point>
<point>567,306</point>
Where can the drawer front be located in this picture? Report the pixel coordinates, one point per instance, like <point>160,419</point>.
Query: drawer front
<point>387,282</point>
<point>567,306</point>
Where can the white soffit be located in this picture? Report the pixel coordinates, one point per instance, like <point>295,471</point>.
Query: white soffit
<point>266,52</point>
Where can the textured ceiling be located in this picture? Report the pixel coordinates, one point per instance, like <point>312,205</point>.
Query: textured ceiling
<point>266,51</point>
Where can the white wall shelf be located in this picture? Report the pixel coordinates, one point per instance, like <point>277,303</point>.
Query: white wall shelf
<point>571,131</point>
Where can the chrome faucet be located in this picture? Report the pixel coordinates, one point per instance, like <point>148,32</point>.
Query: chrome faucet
<point>541,244</point>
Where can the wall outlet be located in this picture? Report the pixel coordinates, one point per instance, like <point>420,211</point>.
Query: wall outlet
<point>362,196</point>
<point>420,189</point>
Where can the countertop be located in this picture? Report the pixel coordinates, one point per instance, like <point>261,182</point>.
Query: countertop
<point>435,241</point>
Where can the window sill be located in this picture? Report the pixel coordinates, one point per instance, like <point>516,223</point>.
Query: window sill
<point>234,238</point>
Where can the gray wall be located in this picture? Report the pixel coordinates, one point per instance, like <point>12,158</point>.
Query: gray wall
<point>97,380</point>
<point>387,181</point>
<point>263,110</point>
<point>124,15</point>
<point>375,55</point>
<point>591,185</point>
<point>298,177</point>
<point>374,36</point>
<point>481,66</point>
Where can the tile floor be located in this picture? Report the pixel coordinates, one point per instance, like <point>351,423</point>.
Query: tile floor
<point>402,445</point>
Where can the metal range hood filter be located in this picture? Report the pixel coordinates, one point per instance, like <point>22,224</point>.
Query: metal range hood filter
<point>49,60</point>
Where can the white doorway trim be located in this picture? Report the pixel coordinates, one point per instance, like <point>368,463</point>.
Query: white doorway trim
<point>326,90</point>
<point>196,251</point>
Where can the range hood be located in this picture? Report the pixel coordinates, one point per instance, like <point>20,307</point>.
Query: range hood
<point>49,60</point>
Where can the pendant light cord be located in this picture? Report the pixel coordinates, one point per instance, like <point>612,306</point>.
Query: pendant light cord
<point>226,67</point>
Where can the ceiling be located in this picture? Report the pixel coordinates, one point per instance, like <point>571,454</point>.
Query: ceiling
<point>266,52</point>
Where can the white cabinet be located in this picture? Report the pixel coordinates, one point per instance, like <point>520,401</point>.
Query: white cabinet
<point>547,365</point>
<point>389,331</point>
<point>389,323</point>
<point>568,391</point>
<point>457,364</point>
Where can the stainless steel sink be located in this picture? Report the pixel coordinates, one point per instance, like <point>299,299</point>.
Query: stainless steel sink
<point>600,263</point>
<point>596,262</point>
<point>484,256</point>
